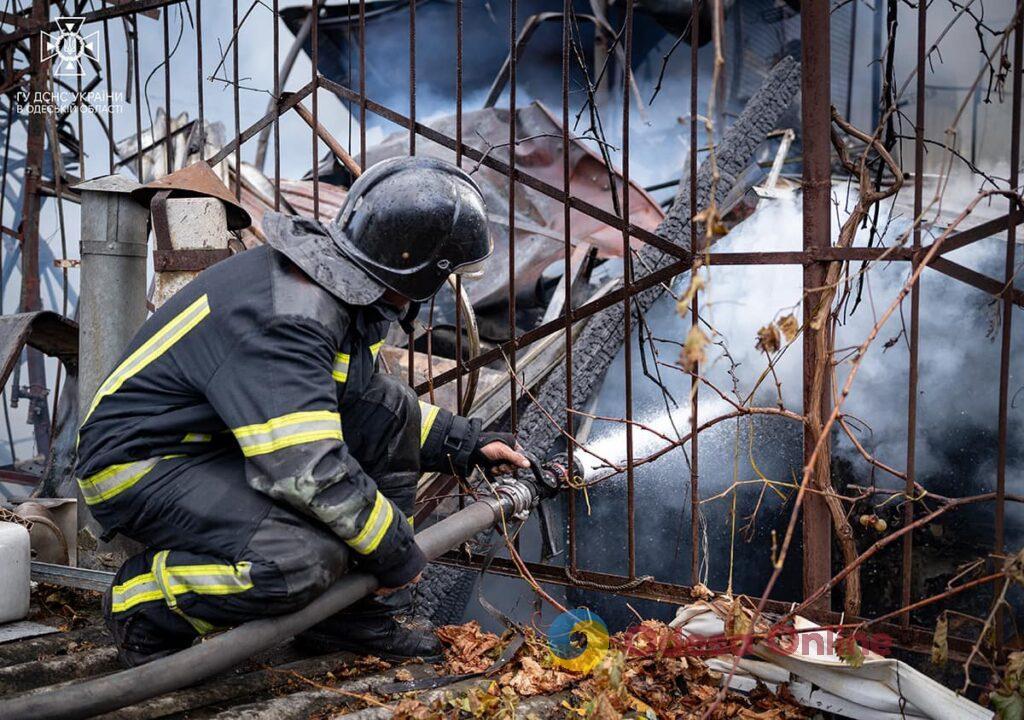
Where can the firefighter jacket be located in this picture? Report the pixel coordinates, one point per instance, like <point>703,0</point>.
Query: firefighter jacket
<point>255,356</point>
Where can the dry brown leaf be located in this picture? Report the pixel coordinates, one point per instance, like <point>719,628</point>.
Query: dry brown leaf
<point>789,327</point>
<point>768,339</point>
<point>362,666</point>
<point>712,221</point>
<point>601,708</point>
<point>412,709</point>
<point>940,641</point>
<point>849,651</point>
<point>467,647</point>
<point>533,679</point>
<point>738,622</point>
<point>702,592</point>
<point>666,681</point>
<point>697,283</point>
<point>693,354</point>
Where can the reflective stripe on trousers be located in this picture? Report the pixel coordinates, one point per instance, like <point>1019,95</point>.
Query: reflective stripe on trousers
<point>168,582</point>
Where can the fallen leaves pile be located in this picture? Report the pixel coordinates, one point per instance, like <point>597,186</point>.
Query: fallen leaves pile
<point>65,608</point>
<point>650,685</point>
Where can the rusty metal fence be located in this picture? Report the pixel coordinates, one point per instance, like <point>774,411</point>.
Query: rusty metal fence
<point>24,68</point>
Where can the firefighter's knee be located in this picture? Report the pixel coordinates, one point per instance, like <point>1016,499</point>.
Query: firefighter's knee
<point>301,559</point>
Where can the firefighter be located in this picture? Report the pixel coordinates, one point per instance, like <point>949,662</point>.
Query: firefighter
<point>248,442</point>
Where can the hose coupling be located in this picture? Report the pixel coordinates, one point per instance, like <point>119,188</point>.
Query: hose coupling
<point>517,498</point>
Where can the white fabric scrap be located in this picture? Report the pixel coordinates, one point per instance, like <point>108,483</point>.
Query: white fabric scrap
<point>880,689</point>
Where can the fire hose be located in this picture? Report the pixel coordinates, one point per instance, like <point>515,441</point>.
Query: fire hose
<point>512,498</point>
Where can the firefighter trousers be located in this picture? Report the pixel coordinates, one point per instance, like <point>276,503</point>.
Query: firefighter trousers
<point>220,553</point>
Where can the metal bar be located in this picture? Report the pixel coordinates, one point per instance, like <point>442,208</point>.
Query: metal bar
<point>850,62</point>
<point>362,83</point>
<point>460,408</point>
<point>277,118</point>
<point>412,151</point>
<point>108,72</point>
<point>915,315</point>
<point>138,97</point>
<point>627,284</point>
<point>201,109</point>
<point>976,279</point>
<point>18,477</point>
<point>1007,335</point>
<point>695,305</point>
<point>236,39</point>
<point>518,175</point>
<point>976,233</point>
<point>17,21</point>
<point>314,56</point>
<point>817,186</point>
<point>512,67</point>
<point>810,256</point>
<point>3,200</point>
<point>73,577</point>
<point>168,140</point>
<point>332,142</point>
<point>30,296</point>
<point>412,76</point>
<point>286,104</point>
<point>567,308</point>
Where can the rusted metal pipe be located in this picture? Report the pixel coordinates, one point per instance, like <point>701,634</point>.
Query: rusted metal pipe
<point>30,297</point>
<point>1007,310</point>
<point>817,185</point>
<point>694,306</point>
<point>332,143</point>
<point>915,315</point>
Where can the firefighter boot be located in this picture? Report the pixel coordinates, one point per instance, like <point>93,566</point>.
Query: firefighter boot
<point>380,626</point>
<point>139,640</point>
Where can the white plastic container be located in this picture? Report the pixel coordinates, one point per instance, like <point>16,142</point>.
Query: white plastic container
<point>15,567</point>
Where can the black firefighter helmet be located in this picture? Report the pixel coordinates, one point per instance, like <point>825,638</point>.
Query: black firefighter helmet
<point>410,222</point>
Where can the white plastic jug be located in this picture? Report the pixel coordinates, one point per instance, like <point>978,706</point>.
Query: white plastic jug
<point>15,567</point>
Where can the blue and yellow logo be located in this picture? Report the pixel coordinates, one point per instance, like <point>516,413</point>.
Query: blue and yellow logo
<point>578,639</point>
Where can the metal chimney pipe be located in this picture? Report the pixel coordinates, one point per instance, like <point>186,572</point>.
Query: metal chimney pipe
<point>112,305</point>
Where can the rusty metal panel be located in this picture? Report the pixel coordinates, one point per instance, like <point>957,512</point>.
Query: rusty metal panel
<point>46,331</point>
